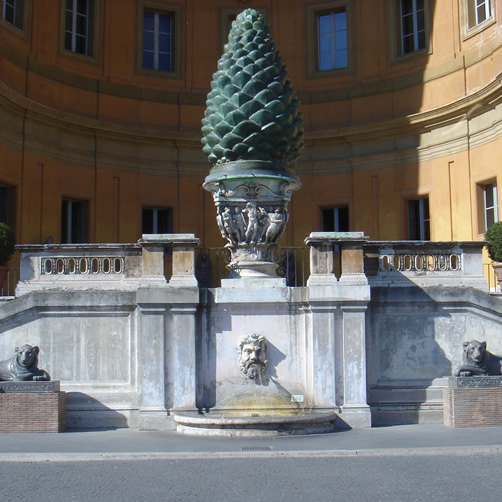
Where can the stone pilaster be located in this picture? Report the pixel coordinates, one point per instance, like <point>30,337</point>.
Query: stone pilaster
<point>153,412</point>
<point>181,360</point>
<point>338,325</point>
<point>322,374</point>
<point>355,411</point>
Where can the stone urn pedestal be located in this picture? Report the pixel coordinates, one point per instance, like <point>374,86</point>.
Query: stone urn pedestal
<point>251,199</point>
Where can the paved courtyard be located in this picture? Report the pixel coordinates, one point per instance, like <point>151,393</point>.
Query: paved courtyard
<point>408,463</point>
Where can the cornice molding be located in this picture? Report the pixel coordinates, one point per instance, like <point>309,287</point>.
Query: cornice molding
<point>474,104</point>
<point>369,146</point>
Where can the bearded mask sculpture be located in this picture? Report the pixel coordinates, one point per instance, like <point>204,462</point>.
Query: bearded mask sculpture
<point>253,357</point>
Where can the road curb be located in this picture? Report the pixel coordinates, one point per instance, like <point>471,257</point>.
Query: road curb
<point>128,456</point>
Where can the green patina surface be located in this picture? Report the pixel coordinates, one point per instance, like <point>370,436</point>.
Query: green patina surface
<point>252,110</point>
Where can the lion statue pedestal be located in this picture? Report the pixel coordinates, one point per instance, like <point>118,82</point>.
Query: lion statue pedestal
<point>29,401</point>
<point>473,397</point>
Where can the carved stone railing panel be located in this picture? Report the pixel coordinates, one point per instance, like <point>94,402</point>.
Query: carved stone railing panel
<point>88,265</point>
<point>420,262</point>
<point>428,261</point>
<point>155,259</point>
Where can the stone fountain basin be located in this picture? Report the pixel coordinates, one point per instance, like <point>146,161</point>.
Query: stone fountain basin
<point>260,423</point>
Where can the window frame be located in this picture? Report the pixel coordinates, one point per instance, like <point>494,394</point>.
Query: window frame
<point>23,31</point>
<point>396,46</point>
<point>158,49</point>
<point>336,217</point>
<point>469,9</point>
<point>161,8</point>
<point>483,220</point>
<point>155,210</point>
<point>67,233</point>
<point>424,224</point>
<point>313,12</point>
<point>95,57</point>
<point>9,207</point>
<point>73,31</point>
<point>415,33</point>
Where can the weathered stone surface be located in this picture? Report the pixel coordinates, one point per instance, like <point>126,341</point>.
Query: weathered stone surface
<point>475,382</point>
<point>29,387</point>
<point>215,424</point>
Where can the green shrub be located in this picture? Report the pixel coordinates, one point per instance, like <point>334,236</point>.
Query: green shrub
<point>493,237</point>
<point>7,243</point>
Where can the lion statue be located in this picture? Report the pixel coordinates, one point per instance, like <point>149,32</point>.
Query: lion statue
<point>477,361</point>
<point>23,366</point>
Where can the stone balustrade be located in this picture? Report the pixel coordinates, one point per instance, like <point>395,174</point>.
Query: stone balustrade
<point>361,260</point>
<point>424,261</point>
<point>95,265</point>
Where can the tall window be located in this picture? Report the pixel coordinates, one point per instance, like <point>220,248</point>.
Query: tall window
<point>79,26</point>
<point>7,205</point>
<point>412,16</point>
<point>419,223</point>
<point>490,204</point>
<point>157,220</point>
<point>478,11</point>
<point>158,41</point>
<point>335,219</point>
<point>13,12</point>
<point>4,205</point>
<point>332,40</point>
<point>74,218</point>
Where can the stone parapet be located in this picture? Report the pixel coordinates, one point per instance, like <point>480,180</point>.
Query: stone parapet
<point>108,266</point>
<point>425,263</point>
<point>183,247</point>
<point>322,248</point>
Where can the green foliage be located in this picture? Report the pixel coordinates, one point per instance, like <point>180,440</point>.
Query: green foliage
<point>7,243</point>
<point>493,236</point>
<point>252,110</point>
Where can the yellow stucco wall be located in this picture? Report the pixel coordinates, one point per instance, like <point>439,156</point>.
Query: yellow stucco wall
<point>384,131</point>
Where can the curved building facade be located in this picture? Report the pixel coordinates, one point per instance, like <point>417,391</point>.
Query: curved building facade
<point>101,104</point>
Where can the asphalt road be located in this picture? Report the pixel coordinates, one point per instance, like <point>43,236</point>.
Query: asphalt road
<point>301,478</point>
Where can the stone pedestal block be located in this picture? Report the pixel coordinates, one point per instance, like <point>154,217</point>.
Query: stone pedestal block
<point>31,407</point>
<point>473,401</point>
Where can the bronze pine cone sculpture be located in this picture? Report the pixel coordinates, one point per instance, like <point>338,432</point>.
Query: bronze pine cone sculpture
<point>252,110</point>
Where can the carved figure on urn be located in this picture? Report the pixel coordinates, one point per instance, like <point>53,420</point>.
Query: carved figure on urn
<point>478,361</point>
<point>253,357</point>
<point>251,224</point>
<point>23,366</point>
<point>253,134</point>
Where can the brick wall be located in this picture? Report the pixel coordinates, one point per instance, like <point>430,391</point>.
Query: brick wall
<point>472,406</point>
<point>32,412</point>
